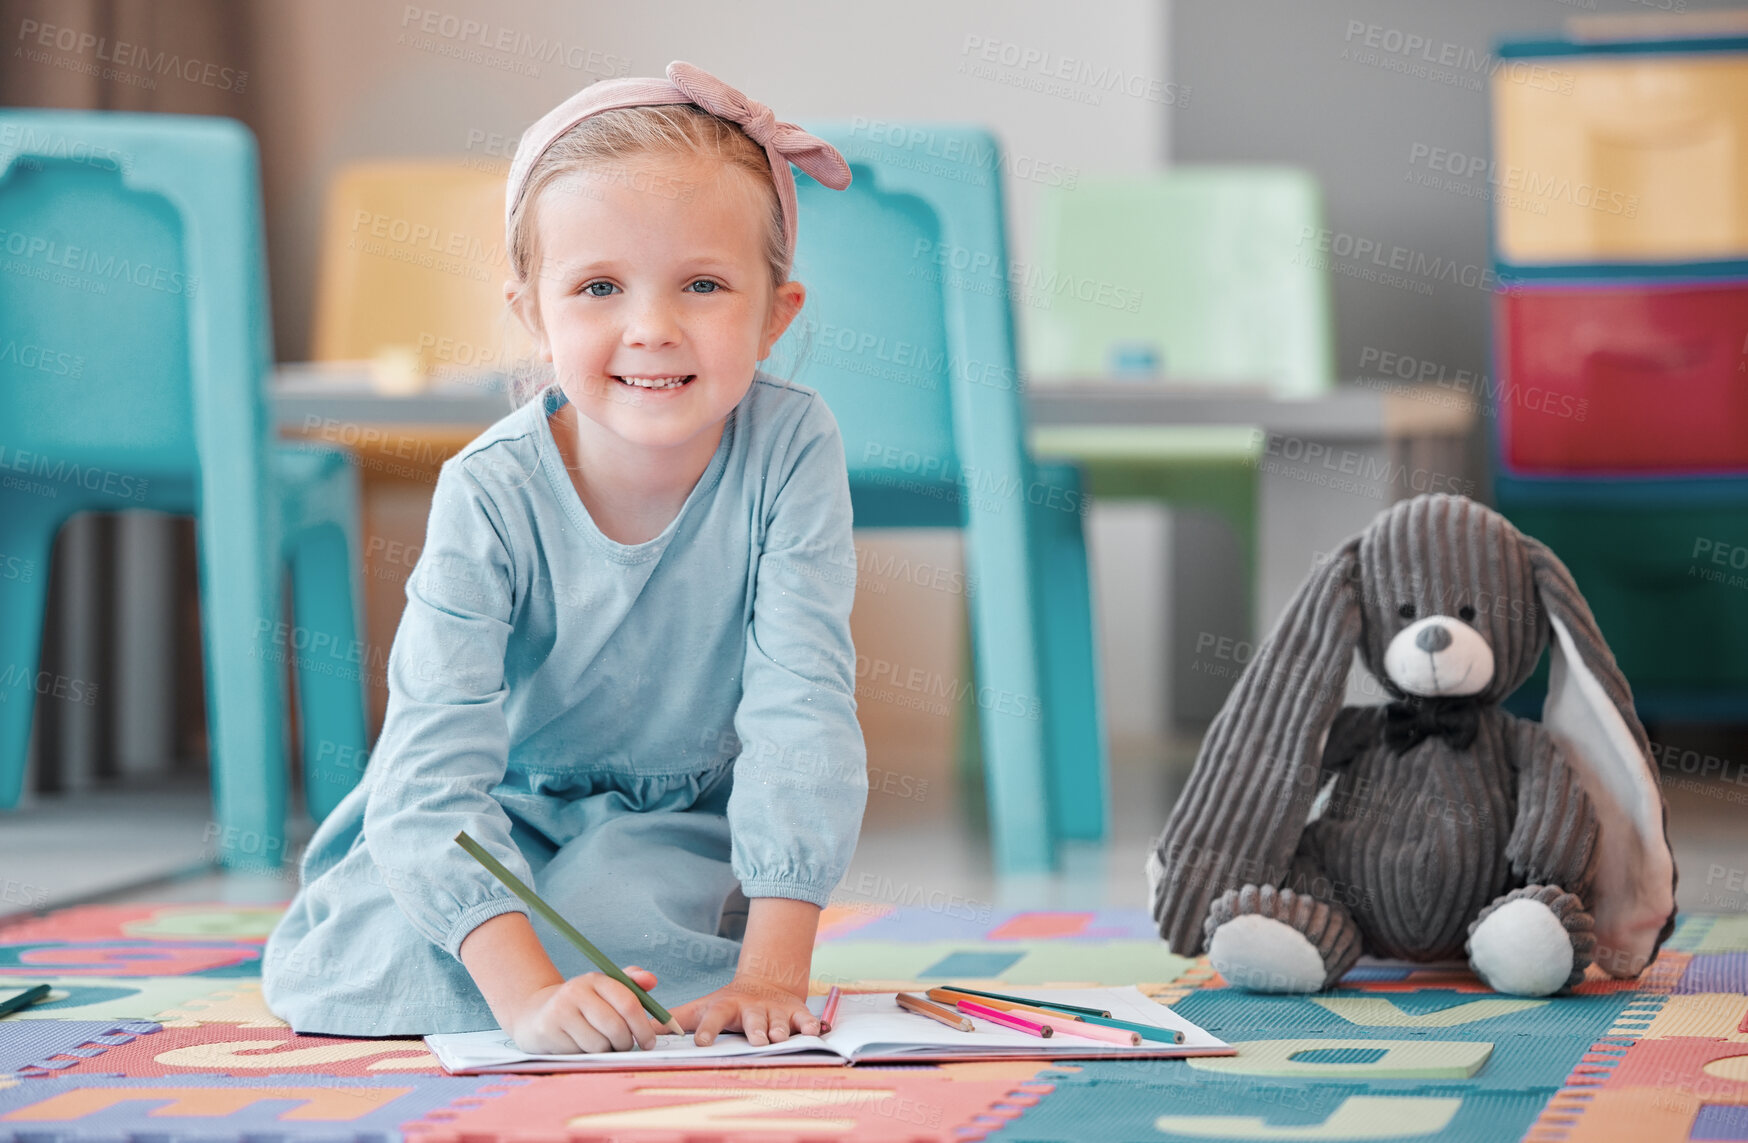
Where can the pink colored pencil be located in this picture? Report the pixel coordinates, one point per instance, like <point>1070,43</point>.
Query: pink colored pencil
<point>831,1010</point>
<point>1069,1026</point>
<point>1005,1019</point>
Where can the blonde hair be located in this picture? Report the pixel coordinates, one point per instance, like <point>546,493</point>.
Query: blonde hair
<point>614,139</point>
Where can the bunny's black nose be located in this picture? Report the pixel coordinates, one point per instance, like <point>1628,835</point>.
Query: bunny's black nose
<point>1433,637</point>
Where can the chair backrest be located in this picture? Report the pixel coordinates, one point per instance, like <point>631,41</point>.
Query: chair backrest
<point>907,331</point>
<point>1209,273</point>
<point>413,263</point>
<point>134,330</point>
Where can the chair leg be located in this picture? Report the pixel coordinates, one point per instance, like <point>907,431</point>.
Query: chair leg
<point>331,667</point>
<point>27,537</point>
<point>1000,557</point>
<point>1074,720</point>
<point>968,741</point>
<point>247,647</point>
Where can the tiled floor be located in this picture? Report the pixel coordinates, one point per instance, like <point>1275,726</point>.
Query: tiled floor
<point>155,845</point>
<point>60,849</point>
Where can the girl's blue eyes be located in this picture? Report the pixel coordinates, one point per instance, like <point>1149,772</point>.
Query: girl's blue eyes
<point>589,288</point>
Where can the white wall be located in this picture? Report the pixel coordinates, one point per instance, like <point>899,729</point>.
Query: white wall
<point>343,80</point>
<point>346,80</point>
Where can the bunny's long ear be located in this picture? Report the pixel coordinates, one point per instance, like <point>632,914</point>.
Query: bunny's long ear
<point>1589,710</point>
<point>1243,810</point>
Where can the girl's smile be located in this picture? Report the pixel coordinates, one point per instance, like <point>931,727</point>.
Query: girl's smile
<point>655,384</point>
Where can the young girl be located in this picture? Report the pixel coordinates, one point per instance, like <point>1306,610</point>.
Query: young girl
<point>624,667</point>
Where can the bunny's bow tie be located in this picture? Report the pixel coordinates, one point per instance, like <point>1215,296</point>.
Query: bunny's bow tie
<point>1454,720</point>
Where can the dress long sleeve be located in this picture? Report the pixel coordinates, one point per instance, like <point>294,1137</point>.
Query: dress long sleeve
<point>801,778</point>
<point>445,742</point>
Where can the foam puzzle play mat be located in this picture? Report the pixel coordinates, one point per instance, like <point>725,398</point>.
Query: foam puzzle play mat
<point>155,1030</point>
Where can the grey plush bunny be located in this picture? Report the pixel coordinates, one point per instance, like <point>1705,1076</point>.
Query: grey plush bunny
<point>1437,824</point>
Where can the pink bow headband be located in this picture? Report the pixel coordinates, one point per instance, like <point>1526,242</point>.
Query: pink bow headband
<point>784,143</point>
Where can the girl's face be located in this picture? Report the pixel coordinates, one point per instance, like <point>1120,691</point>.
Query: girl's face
<point>653,273</point>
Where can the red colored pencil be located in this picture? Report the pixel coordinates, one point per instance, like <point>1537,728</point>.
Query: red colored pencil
<point>831,1010</point>
<point>1006,1019</point>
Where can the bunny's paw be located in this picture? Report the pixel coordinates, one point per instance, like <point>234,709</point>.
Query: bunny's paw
<point>1268,939</point>
<point>1533,941</point>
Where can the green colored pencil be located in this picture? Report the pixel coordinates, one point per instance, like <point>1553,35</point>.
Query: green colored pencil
<point>1075,1008</point>
<point>516,886</point>
<point>24,999</point>
<point>1147,1031</point>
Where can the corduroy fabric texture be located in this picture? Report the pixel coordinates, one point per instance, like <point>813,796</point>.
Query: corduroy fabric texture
<point>1560,596</point>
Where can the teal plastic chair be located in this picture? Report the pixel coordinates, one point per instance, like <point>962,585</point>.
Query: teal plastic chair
<point>908,334</point>
<point>136,319</point>
<point>1219,280</point>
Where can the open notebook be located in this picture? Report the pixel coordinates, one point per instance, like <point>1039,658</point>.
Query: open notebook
<point>870,1027</point>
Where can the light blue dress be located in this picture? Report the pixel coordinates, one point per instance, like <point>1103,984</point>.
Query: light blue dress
<point>650,734</point>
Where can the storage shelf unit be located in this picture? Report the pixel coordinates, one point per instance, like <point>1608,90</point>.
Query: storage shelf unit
<point>1620,427</point>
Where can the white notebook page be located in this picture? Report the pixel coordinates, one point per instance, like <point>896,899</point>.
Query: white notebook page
<point>868,1024</point>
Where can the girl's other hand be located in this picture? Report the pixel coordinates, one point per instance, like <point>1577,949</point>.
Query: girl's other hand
<point>588,1013</point>
<point>762,1012</point>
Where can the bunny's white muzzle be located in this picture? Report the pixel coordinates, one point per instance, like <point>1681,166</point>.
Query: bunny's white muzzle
<point>1439,656</point>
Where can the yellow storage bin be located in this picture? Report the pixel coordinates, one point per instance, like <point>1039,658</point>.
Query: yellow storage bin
<point>1621,158</point>
<point>412,271</point>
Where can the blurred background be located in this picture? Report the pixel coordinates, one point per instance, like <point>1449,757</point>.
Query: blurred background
<point>1269,266</point>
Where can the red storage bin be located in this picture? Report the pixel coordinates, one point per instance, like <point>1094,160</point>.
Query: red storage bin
<point>1626,378</point>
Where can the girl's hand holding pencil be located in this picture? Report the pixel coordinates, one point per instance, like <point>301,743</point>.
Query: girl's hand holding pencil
<point>610,1010</point>
<point>588,1013</point>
